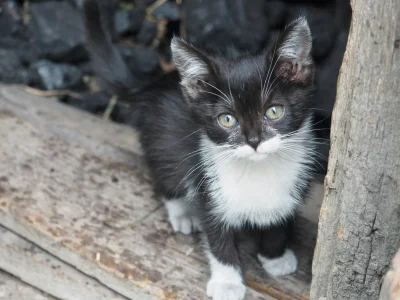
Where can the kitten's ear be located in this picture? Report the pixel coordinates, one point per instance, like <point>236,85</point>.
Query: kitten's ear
<point>193,66</point>
<point>293,58</point>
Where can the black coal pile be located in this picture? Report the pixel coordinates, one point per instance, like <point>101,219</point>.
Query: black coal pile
<point>42,43</point>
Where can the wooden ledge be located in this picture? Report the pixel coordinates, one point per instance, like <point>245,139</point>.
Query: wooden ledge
<point>75,186</point>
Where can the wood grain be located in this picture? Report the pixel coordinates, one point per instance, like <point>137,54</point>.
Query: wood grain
<point>98,214</point>
<point>13,289</point>
<point>40,269</point>
<point>359,228</point>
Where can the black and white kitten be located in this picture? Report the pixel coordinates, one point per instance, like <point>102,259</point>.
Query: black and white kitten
<point>228,144</point>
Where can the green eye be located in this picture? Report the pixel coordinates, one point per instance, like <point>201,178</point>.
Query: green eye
<point>274,112</point>
<point>227,120</point>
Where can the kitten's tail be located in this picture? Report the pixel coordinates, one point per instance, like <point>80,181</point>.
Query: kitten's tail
<point>107,60</point>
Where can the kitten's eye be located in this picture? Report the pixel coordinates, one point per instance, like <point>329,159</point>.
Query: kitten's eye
<point>274,112</point>
<point>227,120</point>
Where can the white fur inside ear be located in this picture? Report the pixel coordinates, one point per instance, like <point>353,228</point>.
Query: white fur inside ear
<point>284,265</point>
<point>298,42</point>
<point>187,62</point>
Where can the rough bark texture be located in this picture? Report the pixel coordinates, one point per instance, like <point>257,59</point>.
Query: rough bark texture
<point>359,228</point>
<point>73,185</point>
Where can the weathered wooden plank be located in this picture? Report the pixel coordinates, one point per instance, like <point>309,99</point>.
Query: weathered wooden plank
<point>11,288</point>
<point>100,137</point>
<point>99,215</point>
<point>359,229</point>
<point>40,269</point>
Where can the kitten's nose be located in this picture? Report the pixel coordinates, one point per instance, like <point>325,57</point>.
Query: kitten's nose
<point>253,141</point>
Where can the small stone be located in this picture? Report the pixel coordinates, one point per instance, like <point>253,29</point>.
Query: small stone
<point>147,32</point>
<point>128,21</point>
<point>12,69</point>
<point>140,60</point>
<point>240,27</point>
<point>10,21</point>
<point>276,12</point>
<point>91,102</point>
<point>58,29</point>
<point>19,46</point>
<point>54,76</point>
<point>167,10</point>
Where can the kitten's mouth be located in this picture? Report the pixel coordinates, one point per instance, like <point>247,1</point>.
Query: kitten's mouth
<point>263,150</point>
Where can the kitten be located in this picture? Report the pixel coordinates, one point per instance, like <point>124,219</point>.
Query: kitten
<point>228,143</point>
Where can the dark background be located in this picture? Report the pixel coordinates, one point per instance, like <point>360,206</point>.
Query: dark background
<point>42,43</point>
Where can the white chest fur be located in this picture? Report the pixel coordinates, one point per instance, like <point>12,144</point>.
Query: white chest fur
<point>257,192</point>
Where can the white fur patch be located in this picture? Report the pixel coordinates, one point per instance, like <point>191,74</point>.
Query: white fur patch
<point>180,217</point>
<point>286,264</point>
<point>258,191</point>
<point>263,150</point>
<point>226,282</point>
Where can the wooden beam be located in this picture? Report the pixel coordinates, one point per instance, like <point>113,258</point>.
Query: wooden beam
<point>43,271</point>
<point>359,228</point>
<point>90,209</point>
<point>11,288</point>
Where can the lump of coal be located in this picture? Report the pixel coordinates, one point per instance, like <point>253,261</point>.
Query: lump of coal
<point>19,47</point>
<point>128,21</point>
<point>58,29</point>
<point>10,21</point>
<point>54,76</point>
<point>13,71</point>
<point>91,102</point>
<point>229,25</point>
<point>147,32</point>
<point>139,60</point>
<point>276,12</point>
<point>167,10</point>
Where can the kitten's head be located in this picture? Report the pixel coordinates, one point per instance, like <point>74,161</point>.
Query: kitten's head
<point>250,105</point>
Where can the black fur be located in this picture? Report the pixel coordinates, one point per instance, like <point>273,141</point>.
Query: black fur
<point>175,112</point>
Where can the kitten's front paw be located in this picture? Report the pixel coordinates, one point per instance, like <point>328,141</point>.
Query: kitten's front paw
<point>284,265</point>
<point>219,290</point>
<point>180,217</point>
<point>185,224</point>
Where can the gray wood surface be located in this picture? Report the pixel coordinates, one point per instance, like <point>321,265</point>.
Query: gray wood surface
<point>359,229</point>
<point>11,288</point>
<point>45,272</point>
<point>75,185</point>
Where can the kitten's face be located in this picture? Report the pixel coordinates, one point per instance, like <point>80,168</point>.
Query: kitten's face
<point>251,105</point>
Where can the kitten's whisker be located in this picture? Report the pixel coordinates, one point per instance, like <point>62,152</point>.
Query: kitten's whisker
<point>219,96</point>
<point>272,59</point>
<point>270,89</point>
<point>196,167</point>
<point>222,93</point>
<point>183,138</point>
<point>230,92</point>
<point>272,71</point>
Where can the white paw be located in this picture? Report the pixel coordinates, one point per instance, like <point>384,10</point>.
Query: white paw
<point>220,290</point>
<point>185,224</point>
<point>286,264</point>
<point>180,218</point>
